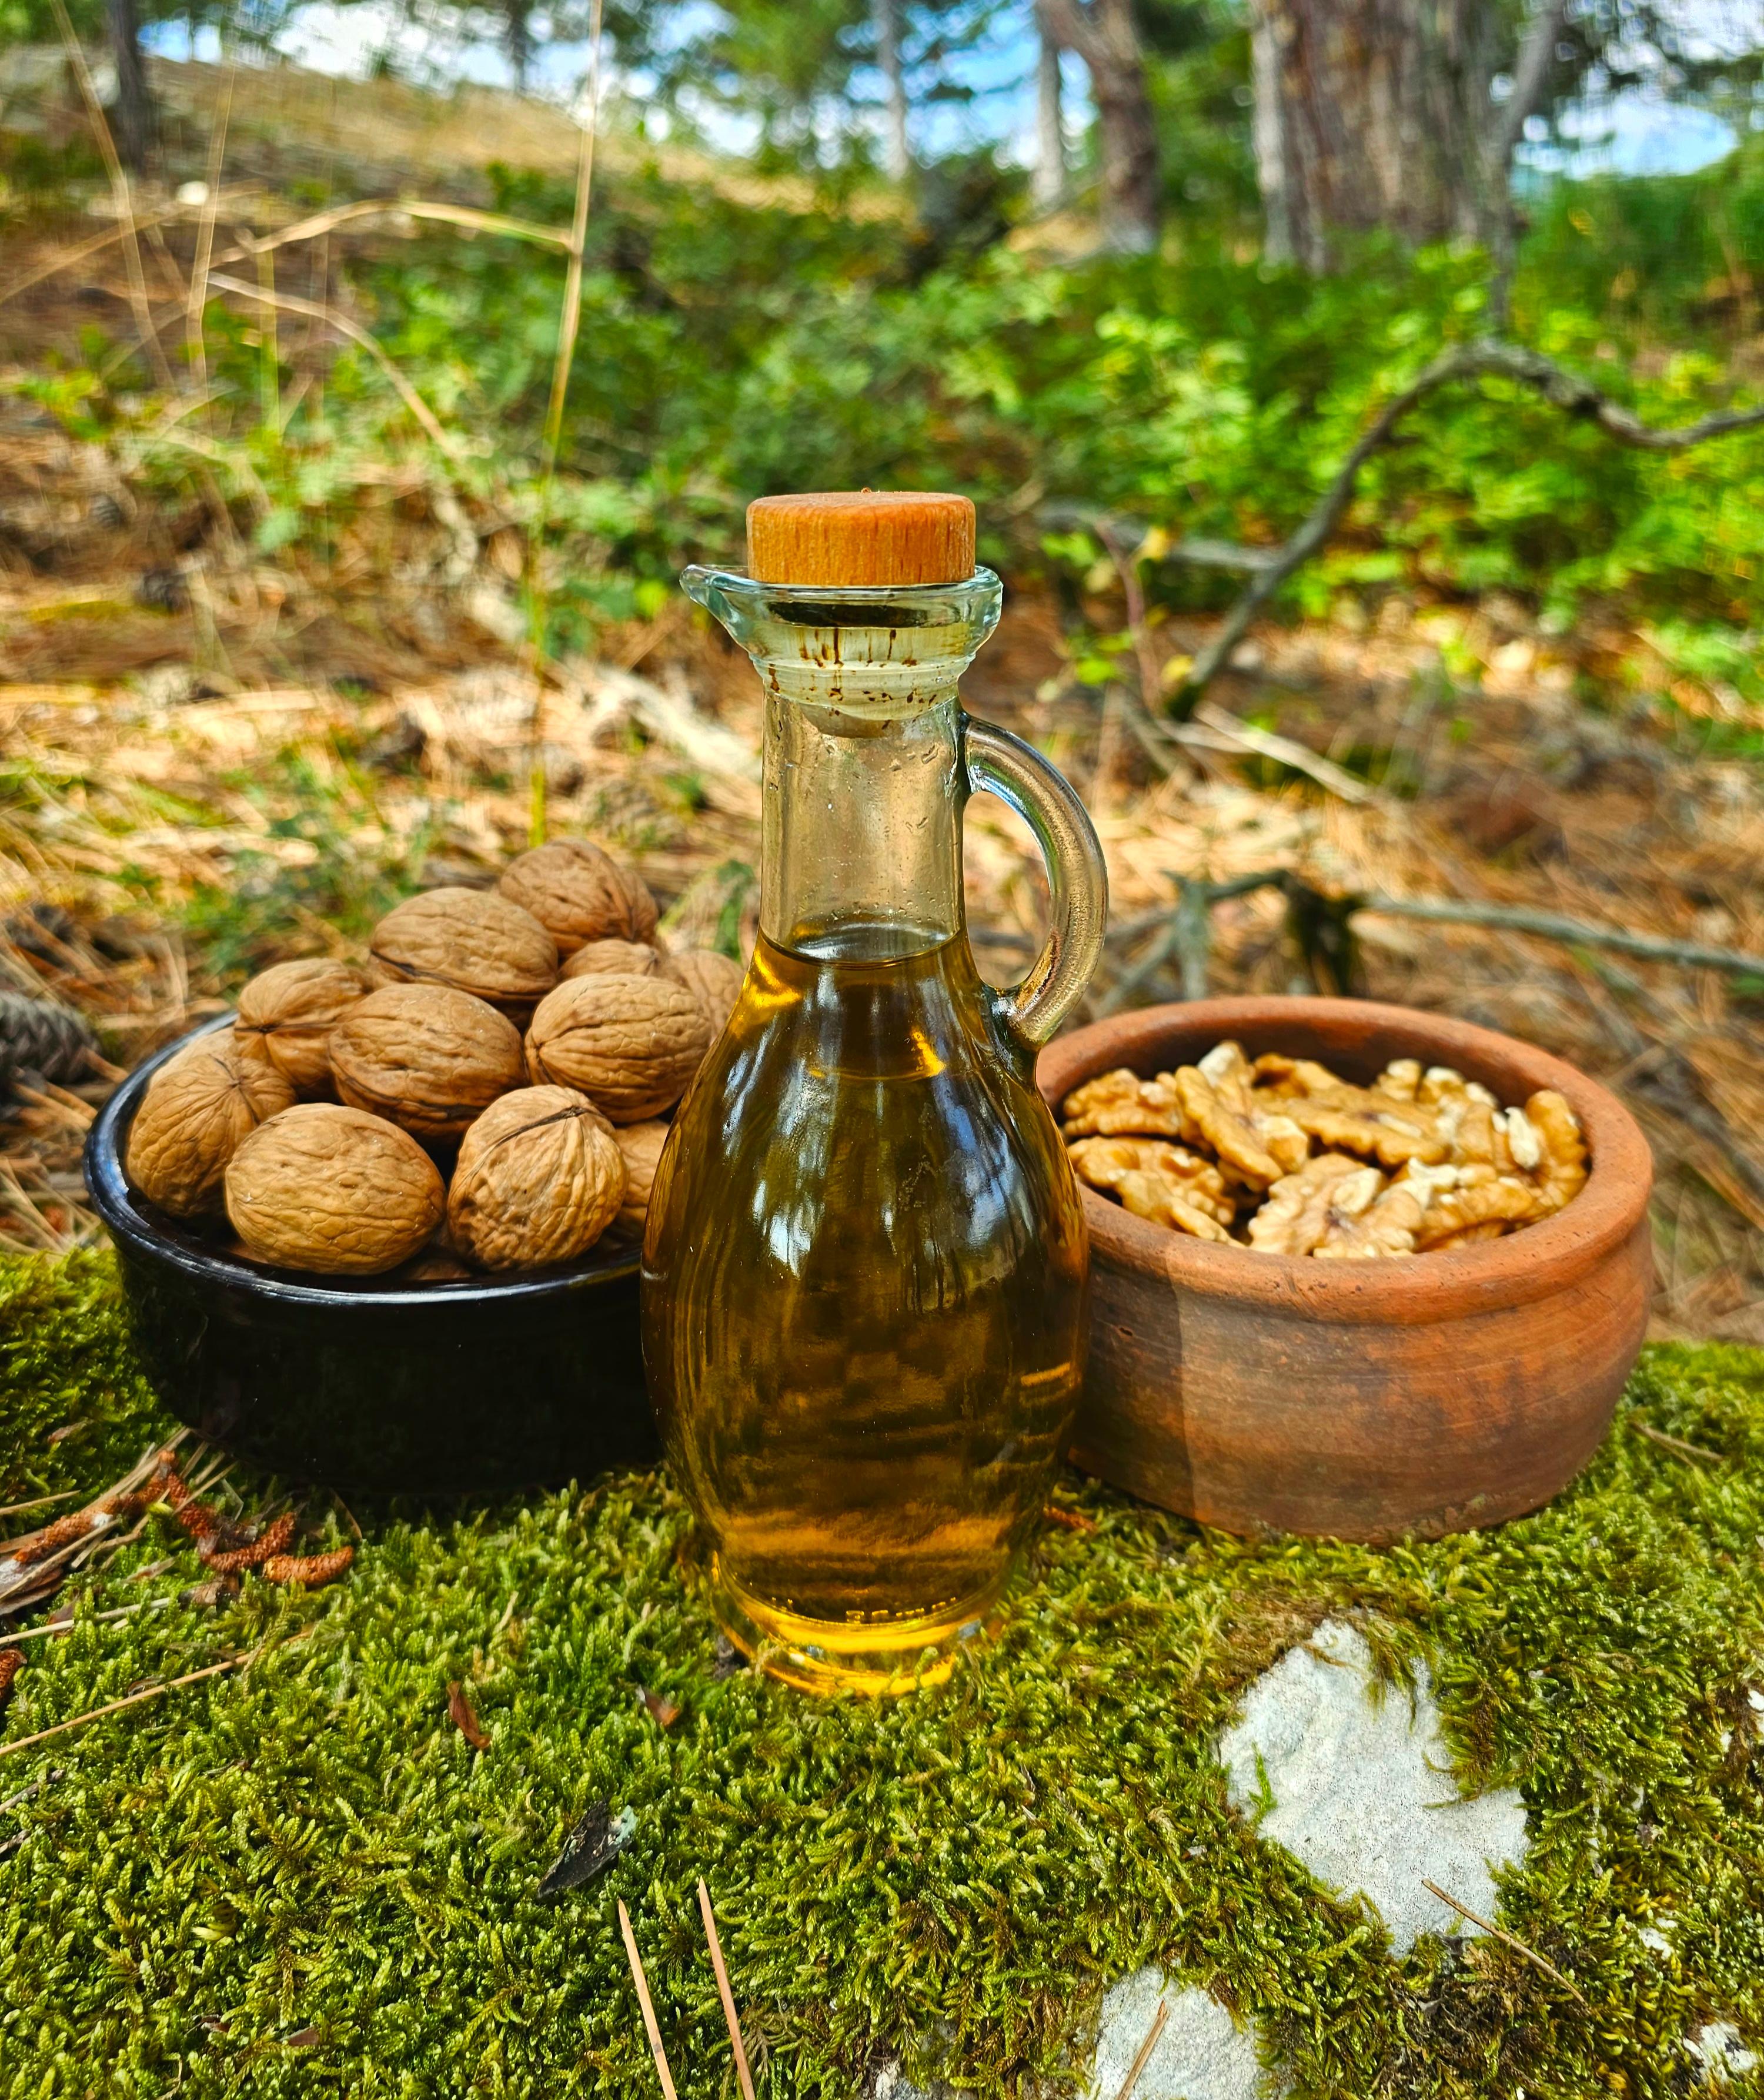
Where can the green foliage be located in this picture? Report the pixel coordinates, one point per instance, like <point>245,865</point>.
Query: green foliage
<point>729,349</point>
<point>303,1879</point>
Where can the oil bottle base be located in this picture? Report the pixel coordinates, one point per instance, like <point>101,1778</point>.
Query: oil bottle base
<point>877,1657</point>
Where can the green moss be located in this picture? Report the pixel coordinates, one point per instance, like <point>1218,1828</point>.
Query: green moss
<point>303,1881</point>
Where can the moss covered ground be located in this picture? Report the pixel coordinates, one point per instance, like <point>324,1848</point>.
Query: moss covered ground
<point>301,1879</point>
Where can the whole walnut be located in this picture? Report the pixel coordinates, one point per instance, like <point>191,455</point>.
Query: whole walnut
<point>613,959</point>
<point>471,939</point>
<point>425,1056</point>
<point>712,979</point>
<point>334,1189</point>
<point>290,1010</point>
<point>198,1108</point>
<point>640,1144</point>
<point>579,893</point>
<point>539,1180</point>
<point>631,1045</point>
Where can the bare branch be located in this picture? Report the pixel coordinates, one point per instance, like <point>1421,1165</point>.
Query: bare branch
<point>1487,357</point>
<point>1550,926</point>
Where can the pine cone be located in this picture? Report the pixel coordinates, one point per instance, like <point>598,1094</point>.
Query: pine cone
<point>51,1041</point>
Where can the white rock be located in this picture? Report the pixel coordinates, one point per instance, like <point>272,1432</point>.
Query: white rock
<point>1362,1787</point>
<point>1202,2054</point>
<point>1722,2055</point>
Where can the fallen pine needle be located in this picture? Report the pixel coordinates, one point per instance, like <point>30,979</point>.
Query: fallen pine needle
<point>1067,1519</point>
<point>42,1502</point>
<point>1667,1442</point>
<point>724,1992</point>
<point>138,1698</point>
<point>642,1982</point>
<point>1146,2048</point>
<point>1508,1939</point>
<point>96,1619</point>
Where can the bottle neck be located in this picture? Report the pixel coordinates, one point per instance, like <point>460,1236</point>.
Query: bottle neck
<point>860,852</point>
<point>865,775</point>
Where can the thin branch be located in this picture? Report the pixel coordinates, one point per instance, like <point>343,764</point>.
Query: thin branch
<point>121,196</point>
<point>1507,1940</point>
<point>1489,358</point>
<point>286,302</point>
<point>1548,926</point>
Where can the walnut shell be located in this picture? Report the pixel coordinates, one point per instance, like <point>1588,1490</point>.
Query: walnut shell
<point>712,979</point>
<point>198,1109</point>
<point>631,1045</point>
<point>613,959</point>
<point>539,1180</point>
<point>290,1010</point>
<point>579,893</point>
<point>425,1056</point>
<point>639,1145</point>
<point>334,1190</point>
<point>471,939</point>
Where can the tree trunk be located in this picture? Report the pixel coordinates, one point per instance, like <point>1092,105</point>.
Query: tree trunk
<point>517,39</point>
<point>131,116</point>
<point>1047,183</point>
<point>1371,116</point>
<point>1270,138</point>
<point>1101,33</point>
<point>895,157</point>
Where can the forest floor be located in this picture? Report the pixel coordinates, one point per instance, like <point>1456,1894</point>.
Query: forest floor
<point>213,756</point>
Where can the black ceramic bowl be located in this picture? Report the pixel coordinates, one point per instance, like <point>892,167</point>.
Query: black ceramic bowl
<point>375,1386</point>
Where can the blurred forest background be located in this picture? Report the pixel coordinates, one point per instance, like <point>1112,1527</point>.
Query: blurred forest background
<point>1363,400</point>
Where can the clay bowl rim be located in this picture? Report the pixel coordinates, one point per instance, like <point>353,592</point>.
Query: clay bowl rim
<point>153,1234</point>
<point>1525,1266</point>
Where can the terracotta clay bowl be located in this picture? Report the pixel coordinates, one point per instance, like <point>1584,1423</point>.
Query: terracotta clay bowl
<point>1358,1399</point>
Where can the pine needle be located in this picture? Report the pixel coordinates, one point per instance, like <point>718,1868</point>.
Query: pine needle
<point>724,1992</point>
<point>642,1982</point>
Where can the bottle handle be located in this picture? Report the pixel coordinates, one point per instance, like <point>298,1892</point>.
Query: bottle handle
<point>1000,763</point>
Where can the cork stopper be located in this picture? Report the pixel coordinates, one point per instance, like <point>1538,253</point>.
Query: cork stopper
<point>860,536</point>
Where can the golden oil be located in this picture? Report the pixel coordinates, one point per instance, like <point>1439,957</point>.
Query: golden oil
<point>863,1305</point>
